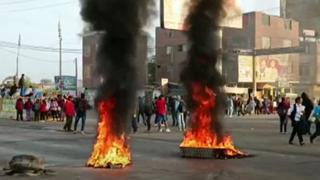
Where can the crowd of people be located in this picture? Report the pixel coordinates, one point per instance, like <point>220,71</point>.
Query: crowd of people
<point>302,113</point>
<point>239,106</point>
<point>58,108</point>
<point>160,108</point>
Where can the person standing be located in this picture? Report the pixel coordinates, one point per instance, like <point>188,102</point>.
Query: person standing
<point>309,107</point>
<point>161,107</point>
<point>28,107</point>
<point>295,112</point>
<point>82,106</point>
<point>21,85</point>
<point>19,108</point>
<point>148,112</point>
<point>36,110</point>
<point>181,110</point>
<point>282,110</point>
<point>141,110</point>
<point>54,109</point>
<point>43,110</point>
<point>61,102</point>
<point>174,103</point>
<point>316,114</point>
<point>230,106</point>
<point>70,113</point>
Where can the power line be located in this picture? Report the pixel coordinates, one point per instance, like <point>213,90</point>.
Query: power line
<point>39,7</point>
<point>16,2</point>
<point>39,48</point>
<point>35,58</point>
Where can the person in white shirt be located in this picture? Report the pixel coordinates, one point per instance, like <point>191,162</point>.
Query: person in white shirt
<point>295,112</point>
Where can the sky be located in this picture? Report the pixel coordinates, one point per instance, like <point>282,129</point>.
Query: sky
<point>37,22</point>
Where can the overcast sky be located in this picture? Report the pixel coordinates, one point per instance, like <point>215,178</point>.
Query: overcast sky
<point>37,21</point>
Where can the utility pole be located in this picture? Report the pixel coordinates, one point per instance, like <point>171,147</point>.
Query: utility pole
<point>60,56</point>
<point>254,73</point>
<point>76,71</point>
<point>17,60</point>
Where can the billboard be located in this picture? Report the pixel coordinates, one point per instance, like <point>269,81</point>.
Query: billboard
<point>245,69</point>
<point>68,83</point>
<point>272,68</point>
<point>174,13</point>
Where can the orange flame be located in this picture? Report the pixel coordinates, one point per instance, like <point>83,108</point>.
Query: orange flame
<point>201,134</point>
<point>109,149</point>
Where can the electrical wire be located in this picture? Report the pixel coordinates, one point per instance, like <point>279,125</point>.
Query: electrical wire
<point>35,58</point>
<point>40,7</point>
<point>39,48</point>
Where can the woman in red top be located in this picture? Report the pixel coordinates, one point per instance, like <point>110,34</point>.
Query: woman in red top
<point>70,112</point>
<point>43,110</point>
<point>19,108</point>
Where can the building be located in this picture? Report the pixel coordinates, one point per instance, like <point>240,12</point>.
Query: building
<point>306,12</point>
<point>274,73</point>
<point>90,47</point>
<point>171,52</point>
<point>309,65</point>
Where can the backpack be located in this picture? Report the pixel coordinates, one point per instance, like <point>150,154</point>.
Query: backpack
<point>293,113</point>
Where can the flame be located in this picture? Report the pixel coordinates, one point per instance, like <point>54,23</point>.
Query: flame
<point>201,134</point>
<point>109,149</point>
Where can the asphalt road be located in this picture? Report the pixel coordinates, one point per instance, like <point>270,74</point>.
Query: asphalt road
<point>156,155</point>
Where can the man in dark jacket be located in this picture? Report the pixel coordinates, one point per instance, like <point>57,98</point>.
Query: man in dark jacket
<point>21,84</point>
<point>81,112</point>
<point>309,107</point>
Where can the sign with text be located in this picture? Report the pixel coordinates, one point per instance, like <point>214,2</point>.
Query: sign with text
<point>68,83</point>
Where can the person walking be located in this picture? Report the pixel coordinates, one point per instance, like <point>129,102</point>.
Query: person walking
<point>28,107</point>
<point>70,113</point>
<point>308,104</point>
<point>82,106</point>
<point>161,107</point>
<point>316,114</point>
<point>19,108</point>
<point>295,112</point>
<point>282,110</point>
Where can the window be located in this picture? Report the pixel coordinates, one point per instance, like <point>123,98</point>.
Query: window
<point>182,48</point>
<point>169,50</point>
<point>288,24</point>
<point>266,42</point>
<point>266,20</point>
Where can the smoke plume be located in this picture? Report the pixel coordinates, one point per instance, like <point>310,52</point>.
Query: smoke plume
<point>122,22</point>
<point>202,23</point>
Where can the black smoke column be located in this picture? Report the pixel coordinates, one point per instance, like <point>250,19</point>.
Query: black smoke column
<point>122,22</point>
<point>204,83</point>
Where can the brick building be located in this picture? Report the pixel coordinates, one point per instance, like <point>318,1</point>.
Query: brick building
<point>306,12</point>
<point>261,31</point>
<point>90,47</point>
<point>171,52</point>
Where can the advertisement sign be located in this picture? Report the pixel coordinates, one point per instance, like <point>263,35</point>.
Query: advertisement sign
<point>272,68</point>
<point>68,83</point>
<point>174,13</point>
<point>245,65</point>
